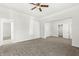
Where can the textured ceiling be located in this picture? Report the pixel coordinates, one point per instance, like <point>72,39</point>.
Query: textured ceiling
<point>52,9</point>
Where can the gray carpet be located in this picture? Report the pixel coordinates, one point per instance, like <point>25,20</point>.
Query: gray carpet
<point>50,46</point>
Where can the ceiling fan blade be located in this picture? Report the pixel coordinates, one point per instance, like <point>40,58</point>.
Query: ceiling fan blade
<point>40,9</point>
<point>44,6</point>
<point>33,8</point>
<point>37,4</point>
<point>32,3</point>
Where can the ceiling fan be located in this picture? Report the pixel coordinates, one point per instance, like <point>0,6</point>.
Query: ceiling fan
<point>39,6</point>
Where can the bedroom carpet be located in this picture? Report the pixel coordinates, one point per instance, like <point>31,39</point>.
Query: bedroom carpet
<point>51,46</point>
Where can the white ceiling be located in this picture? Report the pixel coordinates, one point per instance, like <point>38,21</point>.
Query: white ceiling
<point>52,9</point>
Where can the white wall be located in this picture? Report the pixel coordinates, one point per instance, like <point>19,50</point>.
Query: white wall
<point>66,28</point>
<point>34,29</point>
<point>47,29</point>
<point>22,25</point>
<point>51,28</point>
<point>42,30</point>
<point>72,13</point>
<point>75,26</point>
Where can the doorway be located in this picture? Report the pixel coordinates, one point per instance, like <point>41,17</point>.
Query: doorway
<point>6,31</point>
<point>60,30</point>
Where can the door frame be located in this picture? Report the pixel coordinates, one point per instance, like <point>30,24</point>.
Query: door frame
<point>60,26</point>
<point>12,28</point>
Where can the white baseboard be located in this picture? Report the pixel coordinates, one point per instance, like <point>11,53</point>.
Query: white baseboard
<point>15,41</point>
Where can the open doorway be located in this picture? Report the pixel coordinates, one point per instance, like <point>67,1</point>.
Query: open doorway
<point>60,30</point>
<point>6,31</point>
